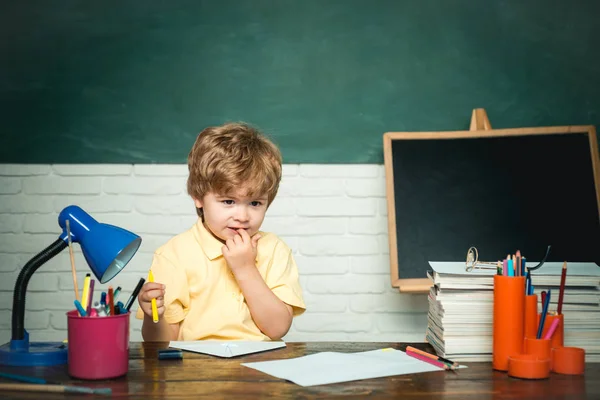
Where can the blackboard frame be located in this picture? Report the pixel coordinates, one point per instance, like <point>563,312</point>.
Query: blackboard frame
<point>422,285</point>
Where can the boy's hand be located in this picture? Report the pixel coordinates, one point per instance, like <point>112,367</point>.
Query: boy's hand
<point>240,251</point>
<point>152,290</point>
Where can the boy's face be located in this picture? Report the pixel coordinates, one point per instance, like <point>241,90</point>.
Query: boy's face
<point>224,215</point>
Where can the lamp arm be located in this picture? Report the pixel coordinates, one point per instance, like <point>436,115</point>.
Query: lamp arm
<point>18,311</point>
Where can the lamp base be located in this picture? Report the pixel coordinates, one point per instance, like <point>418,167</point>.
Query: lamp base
<point>21,353</point>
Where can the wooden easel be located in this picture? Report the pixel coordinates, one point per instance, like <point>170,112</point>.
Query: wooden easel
<point>479,120</point>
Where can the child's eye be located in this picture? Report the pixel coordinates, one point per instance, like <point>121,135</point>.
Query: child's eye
<point>228,202</point>
<point>255,203</point>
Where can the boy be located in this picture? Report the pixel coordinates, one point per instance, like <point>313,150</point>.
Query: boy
<point>224,279</point>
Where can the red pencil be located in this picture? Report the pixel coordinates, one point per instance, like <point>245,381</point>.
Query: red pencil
<point>543,297</point>
<point>563,278</point>
<point>438,364</point>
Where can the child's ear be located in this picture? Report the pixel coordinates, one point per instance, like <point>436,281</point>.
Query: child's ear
<point>198,203</point>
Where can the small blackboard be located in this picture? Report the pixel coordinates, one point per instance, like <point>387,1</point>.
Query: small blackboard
<point>498,190</point>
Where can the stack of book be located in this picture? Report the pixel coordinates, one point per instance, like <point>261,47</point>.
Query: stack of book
<point>461,308</point>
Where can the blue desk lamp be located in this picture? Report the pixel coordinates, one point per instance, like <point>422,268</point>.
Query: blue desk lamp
<point>107,249</point>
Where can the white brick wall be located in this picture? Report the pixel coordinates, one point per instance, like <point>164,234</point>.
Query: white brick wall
<point>333,217</point>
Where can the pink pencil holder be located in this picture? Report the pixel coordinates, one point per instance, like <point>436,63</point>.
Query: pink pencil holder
<point>98,346</point>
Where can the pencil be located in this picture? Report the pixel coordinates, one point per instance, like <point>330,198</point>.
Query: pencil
<point>563,279</point>
<point>32,387</point>
<point>154,309</point>
<point>72,255</point>
<point>432,356</point>
<point>428,360</point>
<point>544,313</point>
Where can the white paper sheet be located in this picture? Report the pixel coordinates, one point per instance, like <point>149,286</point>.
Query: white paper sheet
<point>331,367</point>
<point>226,348</point>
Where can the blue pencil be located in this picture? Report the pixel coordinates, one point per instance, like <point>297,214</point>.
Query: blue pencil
<point>23,378</point>
<point>543,316</point>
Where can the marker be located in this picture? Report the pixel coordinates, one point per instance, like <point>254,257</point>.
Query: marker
<point>154,309</point>
<point>111,302</point>
<point>552,328</point>
<point>136,291</point>
<point>86,289</point>
<point>170,354</point>
<point>80,308</point>
<point>90,296</point>
<point>117,291</point>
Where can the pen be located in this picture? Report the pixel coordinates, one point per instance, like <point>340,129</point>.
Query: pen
<point>153,302</point>
<point>136,291</point>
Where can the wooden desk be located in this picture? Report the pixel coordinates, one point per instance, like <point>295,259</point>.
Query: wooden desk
<point>201,375</point>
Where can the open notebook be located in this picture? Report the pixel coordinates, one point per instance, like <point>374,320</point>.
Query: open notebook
<point>226,349</point>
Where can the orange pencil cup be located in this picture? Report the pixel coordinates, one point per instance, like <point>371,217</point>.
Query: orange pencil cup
<point>558,336</point>
<point>531,316</point>
<point>98,346</point>
<point>568,360</point>
<point>540,348</point>
<point>509,319</point>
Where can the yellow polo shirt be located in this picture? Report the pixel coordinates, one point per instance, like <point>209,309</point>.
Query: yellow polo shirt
<point>202,293</point>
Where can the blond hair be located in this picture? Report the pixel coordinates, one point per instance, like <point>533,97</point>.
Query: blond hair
<point>230,157</point>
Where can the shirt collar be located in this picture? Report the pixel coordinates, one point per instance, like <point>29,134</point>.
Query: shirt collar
<point>209,244</point>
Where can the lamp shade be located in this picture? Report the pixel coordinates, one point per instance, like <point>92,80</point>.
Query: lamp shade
<point>106,248</point>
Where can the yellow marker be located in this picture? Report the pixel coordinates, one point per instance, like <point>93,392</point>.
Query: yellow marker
<point>154,309</point>
<point>86,291</point>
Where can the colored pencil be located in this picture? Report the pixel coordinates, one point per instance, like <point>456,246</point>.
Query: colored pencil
<point>544,313</point>
<point>32,387</point>
<point>72,256</point>
<point>428,360</point>
<point>543,298</point>
<point>432,356</point>
<point>561,293</point>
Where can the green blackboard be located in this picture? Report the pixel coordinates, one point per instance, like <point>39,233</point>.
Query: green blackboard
<point>133,82</point>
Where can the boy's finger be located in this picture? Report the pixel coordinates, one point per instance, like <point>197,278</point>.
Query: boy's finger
<point>255,239</point>
<point>152,294</point>
<point>243,235</point>
<point>237,239</point>
<point>153,285</point>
